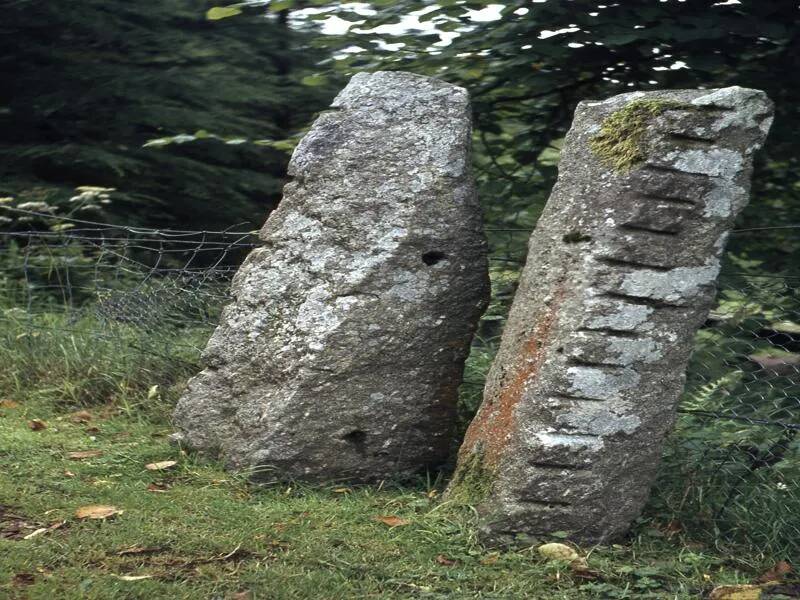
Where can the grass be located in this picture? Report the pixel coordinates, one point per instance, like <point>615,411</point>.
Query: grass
<point>197,531</point>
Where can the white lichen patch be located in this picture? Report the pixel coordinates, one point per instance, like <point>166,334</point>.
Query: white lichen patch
<point>601,384</point>
<point>550,439</point>
<point>598,419</point>
<point>747,107</point>
<point>629,351</point>
<point>722,200</point>
<point>716,162</point>
<point>617,314</point>
<point>676,285</point>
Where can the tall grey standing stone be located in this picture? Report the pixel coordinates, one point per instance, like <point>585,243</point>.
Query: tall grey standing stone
<point>343,349</point>
<point>620,275</point>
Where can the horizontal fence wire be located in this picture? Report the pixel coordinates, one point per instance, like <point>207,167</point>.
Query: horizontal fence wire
<point>731,469</point>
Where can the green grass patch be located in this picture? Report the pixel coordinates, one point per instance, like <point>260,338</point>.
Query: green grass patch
<point>197,531</point>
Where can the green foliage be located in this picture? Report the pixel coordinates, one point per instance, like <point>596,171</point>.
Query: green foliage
<point>527,70</point>
<point>88,84</point>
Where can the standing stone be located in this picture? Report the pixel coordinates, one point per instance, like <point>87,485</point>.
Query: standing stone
<point>620,275</point>
<point>343,349</point>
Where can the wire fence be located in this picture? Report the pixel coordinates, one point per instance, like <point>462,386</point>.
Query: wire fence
<point>731,469</point>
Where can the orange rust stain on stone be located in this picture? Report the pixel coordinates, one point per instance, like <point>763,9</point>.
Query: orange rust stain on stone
<point>492,426</point>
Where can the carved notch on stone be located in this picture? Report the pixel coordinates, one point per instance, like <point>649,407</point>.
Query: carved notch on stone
<point>585,384</point>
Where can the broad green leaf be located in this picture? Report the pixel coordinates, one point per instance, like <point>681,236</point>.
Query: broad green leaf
<point>223,12</point>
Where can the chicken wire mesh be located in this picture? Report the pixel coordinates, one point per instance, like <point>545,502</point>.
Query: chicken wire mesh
<point>731,469</point>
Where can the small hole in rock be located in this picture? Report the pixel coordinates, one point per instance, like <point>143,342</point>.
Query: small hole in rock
<point>433,257</point>
<point>355,437</point>
<point>575,237</point>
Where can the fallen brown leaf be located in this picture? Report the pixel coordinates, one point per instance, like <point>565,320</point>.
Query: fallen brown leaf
<point>441,559</point>
<point>780,570</point>
<point>581,570</point>
<point>161,466</point>
<point>21,579</point>
<point>8,404</point>
<point>490,559</point>
<point>82,454</point>
<point>160,488</point>
<point>97,511</point>
<point>82,416</point>
<point>37,424</point>
<point>338,491</point>
<point>392,520</point>
<point>736,592</point>
<point>68,473</point>
<point>556,551</point>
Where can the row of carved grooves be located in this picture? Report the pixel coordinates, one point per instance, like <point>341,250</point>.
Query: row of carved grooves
<point>624,333</point>
<point>570,397</point>
<point>672,199</point>
<point>691,139</point>
<point>668,169</point>
<point>640,300</point>
<point>573,361</point>
<point>624,262</point>
<point>636,228</point>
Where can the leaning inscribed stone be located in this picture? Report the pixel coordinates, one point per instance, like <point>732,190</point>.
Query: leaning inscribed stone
<point>341,354</point>
<point>620,275</point>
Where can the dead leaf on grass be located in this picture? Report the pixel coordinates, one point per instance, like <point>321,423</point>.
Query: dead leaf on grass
<point>581,570</point>
<point>83,454</point>
<point>97,511</point>
<point>392,520</point>
<point>82,416</point>
<point>21,579</point>
<point>780,570</point>
<point>8,404</point>
<point>14,526</point>
<point>159,488</point>
<point>37,424</point>
<point>491,559</point>
<point>736,592</point>
<point>441,559</point>
<point>161,465</point>
<point>556,551</point>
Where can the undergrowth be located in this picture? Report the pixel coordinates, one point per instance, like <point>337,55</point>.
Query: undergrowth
<point>195,530</point>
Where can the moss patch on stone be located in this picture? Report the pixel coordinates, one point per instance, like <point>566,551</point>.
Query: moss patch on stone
<point>472,481</point>
<point>619,144</point>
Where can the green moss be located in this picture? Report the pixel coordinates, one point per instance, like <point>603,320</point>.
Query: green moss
<point>472,481</point>
<point>620,141</point>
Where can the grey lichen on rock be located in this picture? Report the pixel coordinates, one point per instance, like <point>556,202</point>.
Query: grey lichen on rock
<point>620,274</point>
<point>342,352</point>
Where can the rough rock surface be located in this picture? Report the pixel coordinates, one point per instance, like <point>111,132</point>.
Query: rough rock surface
<point>620,275</point>
<point>342,352</point>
